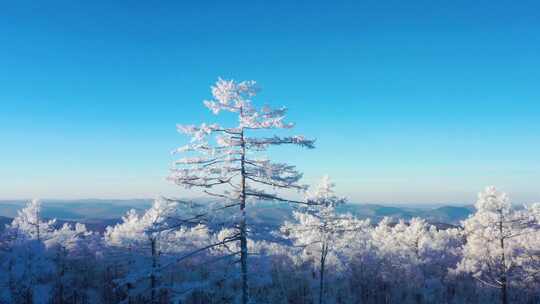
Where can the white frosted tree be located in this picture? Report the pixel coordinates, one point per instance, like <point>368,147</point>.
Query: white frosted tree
<point>417,251</point>
<point>494,241</point>
<point>228,163</point>
<point>142,236</point>
<point>30,223</point>
<point>72,248</point>
<point>27,263</point>
<point>320,231</point>
<point>148,244</point>
<point>42,261</point>
<point>529,244</point>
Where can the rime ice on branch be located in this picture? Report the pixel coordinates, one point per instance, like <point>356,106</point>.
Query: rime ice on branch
<point>30,223</point>
<point>321,232</point>
<point>498,236</point>
<point>226,162</point>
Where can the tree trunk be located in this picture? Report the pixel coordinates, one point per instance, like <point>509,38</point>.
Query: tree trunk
<point>243,258</point>
<point>37,226</point>
<point>61,259</point>
<point>504,293</point>
<point>243,230</point>
<point>28,296</point>
<point>504,283</point>
<point>153,275</point>
<point>321,274</point>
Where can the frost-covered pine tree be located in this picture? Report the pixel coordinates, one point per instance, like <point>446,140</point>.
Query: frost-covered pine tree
<point>321,232</point>
<point>227,164</point>
<point>530,249</point>
<point>142,236</point>
<point>417,251</point>
<point>30,223</point>
<point>493,249</point>
<point>72,249</point>
<point>27,263</point>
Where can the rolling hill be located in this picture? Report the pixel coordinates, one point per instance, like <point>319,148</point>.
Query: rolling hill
<point>264,217</point>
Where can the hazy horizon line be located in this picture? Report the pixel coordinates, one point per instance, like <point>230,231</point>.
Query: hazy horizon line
<point>394,203</point>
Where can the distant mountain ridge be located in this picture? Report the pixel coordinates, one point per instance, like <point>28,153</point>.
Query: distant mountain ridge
<point>74,210</point>
<point>98,213</point>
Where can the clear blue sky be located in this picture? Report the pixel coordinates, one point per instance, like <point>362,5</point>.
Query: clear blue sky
<point>411,101</point>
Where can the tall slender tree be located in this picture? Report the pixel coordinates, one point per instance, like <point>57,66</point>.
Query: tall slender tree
<point>228,163</point>
<point>28,261</point>
<point>320,231</point>
<point>144,236</point>
<point>494,233</point>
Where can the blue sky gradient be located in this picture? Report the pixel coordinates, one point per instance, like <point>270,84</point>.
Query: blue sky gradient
<point>411,102</point>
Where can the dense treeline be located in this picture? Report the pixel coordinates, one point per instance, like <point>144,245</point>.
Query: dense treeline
<point>148,258</point>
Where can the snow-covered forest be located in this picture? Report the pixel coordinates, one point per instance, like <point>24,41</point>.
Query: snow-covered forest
<point>182,251</point>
